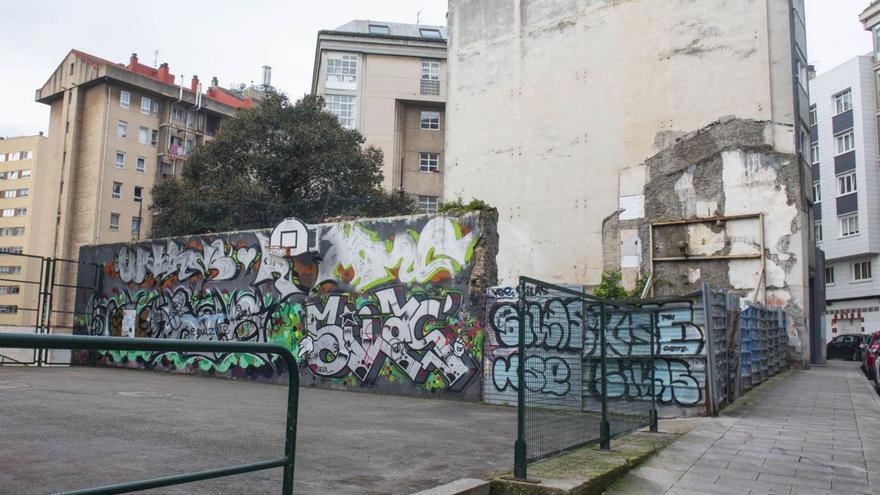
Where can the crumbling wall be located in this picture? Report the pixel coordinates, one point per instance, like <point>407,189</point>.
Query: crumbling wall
<point>750,196</point>
<point>384,304</point>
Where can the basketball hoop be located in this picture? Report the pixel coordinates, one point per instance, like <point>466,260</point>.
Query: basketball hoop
<point>289,238</point>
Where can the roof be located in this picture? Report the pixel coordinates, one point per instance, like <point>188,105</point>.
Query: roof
<point>394,30</point>
<point>163,75</point>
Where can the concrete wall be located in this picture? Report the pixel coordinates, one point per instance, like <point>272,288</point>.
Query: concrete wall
<point>386,305</point>
<point>728,169</point>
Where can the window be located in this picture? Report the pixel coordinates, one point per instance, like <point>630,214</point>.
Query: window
<point>817,192</point>
<point>2,157</point>
<point>846,184</point>
<point>70,70</point>
<point>138,194</point>
<point>117,190</point>
<point>862,270</point>
<point>817,230</point>
<point>176,114</point>
<point>430,120</point>
<point>843,102</point>
<point>814,154</point>
<point>814,119</point>
<point>877,43</point>
<point>156,107</point>
<point>9,193</point>
<point>124,99</point>
<point>143,135</point>
<point>135,226</point>
<point>15,156</point>
<point>140,164</point>
<point>10,270</point>
<point>430,33</point>
<point>114,222</point>
<point>12,249</point>
<point>12,175</point>
<point>430,70</point>
<point>21,193</point>
<point>801,68</point>
<point>845,142</point>
<point>25,173</point>
<point>430,83</point>
<point>14,212</point>
<point>145,105</point>
<point>8,289</point>
<point>7,309</point>
<point>120,159</point>
<point>379,29</point>
<point>342,71</point>
<point>342,107</point>
<point>15,193</point>
<point>121,129</point>
<point>849,225</point>
<point>429,162</point>
<point>27,155</point>
<point>428,204</point>
<point>154,137</point>
<point>11,231</point>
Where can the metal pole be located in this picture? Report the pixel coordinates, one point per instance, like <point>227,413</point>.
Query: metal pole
<point>519,448</point>
<point>655,330</point>
<point>604,426</point>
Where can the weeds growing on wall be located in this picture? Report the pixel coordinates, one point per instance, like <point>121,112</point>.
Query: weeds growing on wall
<point>459,206</point>
<point>611,287</point>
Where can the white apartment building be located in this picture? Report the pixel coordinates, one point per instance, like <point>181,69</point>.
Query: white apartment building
<point>846,185</point>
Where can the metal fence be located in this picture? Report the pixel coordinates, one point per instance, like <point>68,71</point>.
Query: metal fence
<point>36,297</point>
<point>587,366</point>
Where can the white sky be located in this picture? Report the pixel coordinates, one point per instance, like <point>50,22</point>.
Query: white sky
<point>233,40</point>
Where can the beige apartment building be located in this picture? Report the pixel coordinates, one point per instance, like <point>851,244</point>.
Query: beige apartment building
<point>388,81</point>
<point>115,130</point>
<point>25,227</point>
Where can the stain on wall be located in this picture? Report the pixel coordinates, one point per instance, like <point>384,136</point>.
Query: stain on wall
<point>384,304</point>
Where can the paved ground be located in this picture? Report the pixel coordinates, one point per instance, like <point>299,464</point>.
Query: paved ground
<point>813,432</point>
<point>68,428</point>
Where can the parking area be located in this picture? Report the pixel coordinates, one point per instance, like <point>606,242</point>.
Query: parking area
<point>68,428</point>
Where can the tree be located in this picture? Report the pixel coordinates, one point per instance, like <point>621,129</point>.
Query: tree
<point>270,162</point>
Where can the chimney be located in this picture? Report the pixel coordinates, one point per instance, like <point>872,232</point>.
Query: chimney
<point>194,84</point>
<point>214,82</point>
<point>41,133</point>
<point>811,72</point>
<point>267,76</point>
<point>163,73</point>
<point>132,62</point>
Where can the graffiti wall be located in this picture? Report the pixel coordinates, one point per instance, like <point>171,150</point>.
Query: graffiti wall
<point>379,304</point>
<point>568,373</point>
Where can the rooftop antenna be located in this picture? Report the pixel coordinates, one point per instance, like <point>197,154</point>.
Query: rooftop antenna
<point>419,16</point>
<point>155,58</point>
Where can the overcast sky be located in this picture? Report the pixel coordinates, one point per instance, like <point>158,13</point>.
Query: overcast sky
<point>233,40</point>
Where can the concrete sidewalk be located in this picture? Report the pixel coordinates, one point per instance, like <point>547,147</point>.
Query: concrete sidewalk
<point>809,432</point>
<point>68,428</point>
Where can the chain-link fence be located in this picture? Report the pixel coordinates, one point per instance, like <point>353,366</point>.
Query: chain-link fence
<point>587,369</point>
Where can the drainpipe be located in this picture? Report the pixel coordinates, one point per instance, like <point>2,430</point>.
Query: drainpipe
<point>103,166</point>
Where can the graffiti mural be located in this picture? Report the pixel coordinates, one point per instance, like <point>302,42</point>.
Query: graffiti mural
<point>569,328</point>
<point>381,304</point>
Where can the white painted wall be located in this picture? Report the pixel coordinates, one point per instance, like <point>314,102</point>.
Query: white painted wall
<point>549,100</point>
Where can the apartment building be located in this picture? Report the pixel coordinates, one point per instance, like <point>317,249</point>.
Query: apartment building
<point>387,80</point>
<point>25,226</point>
<point>664,140</point>
<point>846,191</point>
<point>114,131</point>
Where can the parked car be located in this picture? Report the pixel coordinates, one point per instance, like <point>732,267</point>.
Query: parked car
<point>848,347</point>
<point>869,354</point>
<point>876,379</point>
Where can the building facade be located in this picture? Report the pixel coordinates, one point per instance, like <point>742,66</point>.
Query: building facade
<point>114,131</point>
<point>25,226</point>
<point>555,107</point>
<point>388,81</point>
<point>846,188</point>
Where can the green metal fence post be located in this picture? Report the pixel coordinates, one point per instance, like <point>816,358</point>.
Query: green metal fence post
<point>655,329</point>
<point>604,426</point>
<point>519,448</point>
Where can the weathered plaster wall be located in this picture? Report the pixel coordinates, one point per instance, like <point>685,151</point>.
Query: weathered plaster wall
<point>550,99</point>
<point>386,304</point>
<point>726,169</point>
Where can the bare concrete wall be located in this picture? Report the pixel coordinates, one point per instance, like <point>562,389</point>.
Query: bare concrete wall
<point>549,100</point>
<point>726,170</point>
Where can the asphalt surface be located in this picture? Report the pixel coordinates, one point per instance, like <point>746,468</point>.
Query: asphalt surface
<point>71,428</point>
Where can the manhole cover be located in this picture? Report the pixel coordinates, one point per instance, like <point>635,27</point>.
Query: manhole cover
<point>145,394</point>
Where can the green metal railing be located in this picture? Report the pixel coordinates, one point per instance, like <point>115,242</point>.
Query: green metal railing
<point>569,343</point>
<point>76,342</point>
